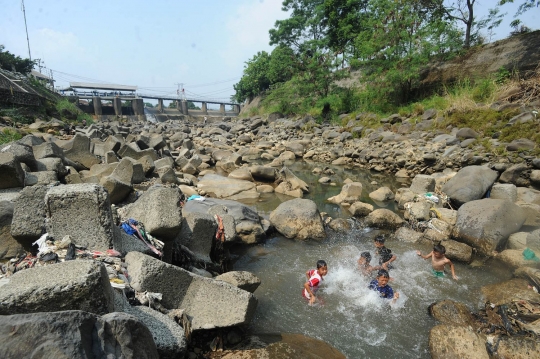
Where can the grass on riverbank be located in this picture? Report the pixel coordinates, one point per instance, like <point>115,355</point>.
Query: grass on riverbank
<point>9,135</point>
<point>75,113</point>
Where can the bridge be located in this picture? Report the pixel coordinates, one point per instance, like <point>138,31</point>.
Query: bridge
<point>118,94</point>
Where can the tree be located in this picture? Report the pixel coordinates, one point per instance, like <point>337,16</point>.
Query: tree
<point>10,62</point>
<point>254,79</point>
<point>148,104</point>
<point>526,5</point>
<point>462,10</point>
<point>191,106</point>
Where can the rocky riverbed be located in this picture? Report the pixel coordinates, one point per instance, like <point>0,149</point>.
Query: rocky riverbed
<point>161,285</point>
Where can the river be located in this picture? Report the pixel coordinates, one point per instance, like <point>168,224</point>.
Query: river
<point>353,319</point>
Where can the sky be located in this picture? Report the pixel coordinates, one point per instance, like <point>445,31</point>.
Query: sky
<point>156,45</point>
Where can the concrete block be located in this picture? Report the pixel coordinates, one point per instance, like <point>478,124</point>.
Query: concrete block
<point>197,233</point>
<point>29,214</point>
<point>72,285</point>
<point>82,211</point>
<point>11,172</point>
<point>210,303</point>
<point>40,178</point>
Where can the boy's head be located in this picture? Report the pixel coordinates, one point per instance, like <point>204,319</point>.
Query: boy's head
<point>383,277</point>
<point>439,250</point>
<point>379,241</point>
<point>366,256</point>
<point>322,268</point>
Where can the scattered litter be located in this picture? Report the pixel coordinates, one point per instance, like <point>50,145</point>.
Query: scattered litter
<point>136,229</point>
<point>195,197</point>
<point>529,255</point>
<point>431,197</point>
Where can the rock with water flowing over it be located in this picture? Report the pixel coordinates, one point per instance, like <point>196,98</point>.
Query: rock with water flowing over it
<point>158,209</point>
<point>451,341</point>
<point>75,334</point>
<point>298,219</point>
<point>210,303</point>
<point>72,285</point>
<point>469,184</point>
<point>384,218</point>
<point>486,224</point>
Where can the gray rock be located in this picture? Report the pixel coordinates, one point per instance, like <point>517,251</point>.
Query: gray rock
<point>241,279</point>
<point>457,251</point>
<point>486,224</point>
<point>360,209</point>
<point>513,258</point>
<point>451,341</point>
<point>518,241</point>
<point>22,153</point>
<point>52,164</point>
<point>521,144</point>
<point>382,194</point>
<point>453,313</point>
<point>210,303</point>
<point>513,174</point>
<point>82,211</point>
<point>241,223</point>
<point>299,219</point>
<point>75,334</point>
<point>197,233</point>
<point>469,184</point>
<point>40,178</point>
<point>29,214</point>
<point>422,184</point>
<point>383,218</point>
<point>168,336</point>
<point>509,291</point>
<point>533,241</point>
<point>464,133</point>
<point>78,151</point>
<point>9,247</point>
<point>405,234</point>
<point>47,150</point>
<point>506,191</point>
<point>72,285</point>
<point>159,211</point>
<point>120,182</point>
<point>417,210</point>
<point>263,173</point>
<point>532,213</point>
<point>11,172</point>
<point>350,193</point>
<point>227,188</point>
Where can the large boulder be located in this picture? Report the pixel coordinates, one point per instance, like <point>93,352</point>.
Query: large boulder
<point>384,218</point>
<point>509,291</point>
<point>513,258</point>
<point>210,303</point>
<point>290,184</point>
<point>82,211</point>
<point>75,334</point>
<point>299,219</point>
<point>11,172</point>
<point>23,153</point>
<point>382,194</point>
<point>451,341</point>
<point>241,223</point>
<point>159,210</point>
<point>469,184</point>
<point>457,251</point>
<point>422,184</point>
<point>227,188</point>
<point>72,285</point>
<point>450,312</point>
<point>29,214</point>
<point>360,209</point>
<point>350,193</point>
<point>263,173</point>
<point>486,224</point>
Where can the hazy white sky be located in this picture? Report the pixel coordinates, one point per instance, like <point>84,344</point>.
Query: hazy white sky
<point>154,44</point>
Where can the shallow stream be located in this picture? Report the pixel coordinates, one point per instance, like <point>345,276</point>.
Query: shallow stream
<point>353,319</point>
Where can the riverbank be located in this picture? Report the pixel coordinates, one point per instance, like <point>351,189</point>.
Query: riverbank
<point>73,185</point>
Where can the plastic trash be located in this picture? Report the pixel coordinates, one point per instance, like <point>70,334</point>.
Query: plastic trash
<point>431,197</point>
<point>529,255</point>
<point>195,197</point>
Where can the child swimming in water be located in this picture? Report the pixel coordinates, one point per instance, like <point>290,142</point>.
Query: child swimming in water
<point>314,279</point>
<point>364,263</point>
<point>386,256</point>
<point>380,284</point>
<point>439,261</point>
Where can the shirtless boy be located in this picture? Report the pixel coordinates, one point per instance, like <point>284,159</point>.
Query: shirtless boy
<point>439,261</point>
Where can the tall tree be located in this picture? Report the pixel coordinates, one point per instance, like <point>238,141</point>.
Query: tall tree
<point>10,62</point>
<point>462,10</point>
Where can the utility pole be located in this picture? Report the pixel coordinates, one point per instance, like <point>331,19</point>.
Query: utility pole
<point>26,27</point>
<point>180,91</point>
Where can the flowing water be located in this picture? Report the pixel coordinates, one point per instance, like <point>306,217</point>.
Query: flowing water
<point>352,318</point>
